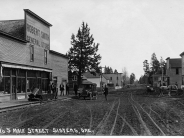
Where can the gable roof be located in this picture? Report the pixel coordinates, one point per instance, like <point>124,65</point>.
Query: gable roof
<point>89,75</point>
<point>106,76</point>
<point>175,62</point>
<point>13,27</point>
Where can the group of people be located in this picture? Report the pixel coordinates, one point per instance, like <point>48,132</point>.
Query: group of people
<point>53,89</point>
<point>62,88</point>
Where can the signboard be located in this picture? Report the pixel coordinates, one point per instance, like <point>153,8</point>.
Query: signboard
<point>36,32</point>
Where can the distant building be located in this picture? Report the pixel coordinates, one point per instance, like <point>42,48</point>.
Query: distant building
<point>113,79</point>
<point>72,78</point>
<point>174,71</point>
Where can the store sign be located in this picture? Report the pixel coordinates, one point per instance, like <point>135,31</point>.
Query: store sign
<point>37,33</point>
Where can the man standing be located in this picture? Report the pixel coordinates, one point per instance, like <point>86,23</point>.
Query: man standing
<point>55,91</point>
<point>75,89</point>
<point>61,89</point>
<point>67,89</point>
<point>105,92</point>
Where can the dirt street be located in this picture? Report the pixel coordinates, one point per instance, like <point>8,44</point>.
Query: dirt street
<point>129,112</point>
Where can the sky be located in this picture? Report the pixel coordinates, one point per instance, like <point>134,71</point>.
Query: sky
<point>128,31</point>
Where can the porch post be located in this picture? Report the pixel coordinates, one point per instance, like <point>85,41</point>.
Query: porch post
<point>16,84</point>
<point>10,84</point>
<point>26,86</point>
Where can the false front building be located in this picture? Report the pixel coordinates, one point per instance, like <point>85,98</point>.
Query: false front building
<point>26,61</point>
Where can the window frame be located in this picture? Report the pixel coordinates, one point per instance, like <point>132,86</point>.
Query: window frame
<point>177,71</point>
<point>111,78</point>
<point>45,56</point>
<point>31,53</point>
<point>74,78</point>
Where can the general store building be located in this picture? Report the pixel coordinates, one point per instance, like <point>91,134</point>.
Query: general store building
<point>26,60</point>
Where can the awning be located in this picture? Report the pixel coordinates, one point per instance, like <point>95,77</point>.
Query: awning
<point>23,67</point>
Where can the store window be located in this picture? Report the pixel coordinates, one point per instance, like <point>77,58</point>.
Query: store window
<point>6,71</point>
<point>45,81</point>
<point>21,85</point>
<point>31,80</point>
<point>5,82</point>
<point>45,56</point>
<point>31,53</point>
<point>21,88</point>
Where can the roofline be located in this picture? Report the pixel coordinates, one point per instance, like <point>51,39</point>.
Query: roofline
<point>92,77</point>
<point>176,67</point>
<point>37,17</point>
<point>9,35</point>
<point>182,54</point>
<point>167,58</point>
<point>173,58</point>
<point>10,20</point>
<point>105,77</point>
<point>57,53</point>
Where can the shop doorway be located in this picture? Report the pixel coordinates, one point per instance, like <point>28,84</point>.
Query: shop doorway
<point>168,81</point>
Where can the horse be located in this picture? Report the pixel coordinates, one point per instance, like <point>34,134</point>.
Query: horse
<point>168,89</point>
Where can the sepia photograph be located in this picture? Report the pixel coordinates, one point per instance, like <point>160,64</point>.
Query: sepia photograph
<point>92,68</point>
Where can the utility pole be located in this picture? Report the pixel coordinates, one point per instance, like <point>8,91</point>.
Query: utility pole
<point>117,79</point>
<point>101,80</point>
<point>161,61</point>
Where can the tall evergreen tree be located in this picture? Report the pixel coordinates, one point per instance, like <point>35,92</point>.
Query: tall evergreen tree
<point>132,78</point>
<point>155,64</point>
<point>110,70</point>
<point>105,69</point>
<point>83,53</point>
<point>146,67</point>
<point>115,71</point>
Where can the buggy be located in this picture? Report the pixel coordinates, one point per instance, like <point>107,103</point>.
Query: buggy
<point>37,95</point>
<point>34,95</point>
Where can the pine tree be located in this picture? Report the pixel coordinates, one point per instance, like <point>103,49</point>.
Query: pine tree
<point>155,64</point>
<point>146,67</point>
<point>83,53</point>
<point>111,70</point>
<point>115,71</point>
<point>132,78</point>
<point>105,69</point>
